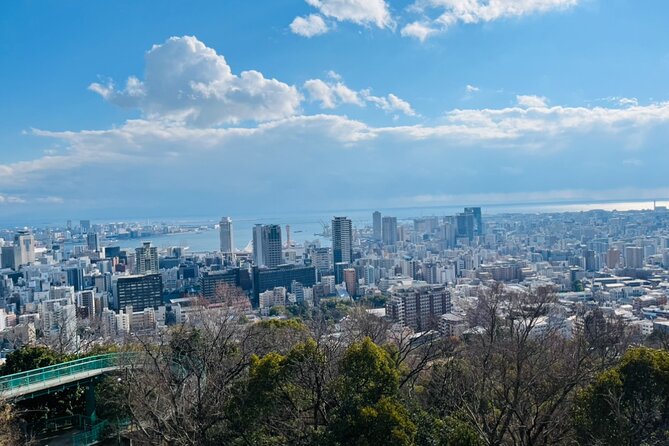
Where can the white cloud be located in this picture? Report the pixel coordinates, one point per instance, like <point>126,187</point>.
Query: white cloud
<point>418,30</point>
<point>531,101</point>
<point>361,12</point>
<point>9,199</point>
<point>185,80</point>
<point>471,89</point>
<point>628,101</point>
<point>312,25</point>
<point>450,12</point>
<point>332,94</point>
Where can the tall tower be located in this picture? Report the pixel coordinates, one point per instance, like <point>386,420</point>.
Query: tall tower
<point>267,245</point>
<point>389,230</point>
<point>478,220</point>
<point>147,259</point>
<point>376,225</point>
<point>24,248</point>
<point>226,239</point>
<point>342,240</point>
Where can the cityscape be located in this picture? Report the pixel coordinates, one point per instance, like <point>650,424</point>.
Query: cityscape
<point>334,223</point>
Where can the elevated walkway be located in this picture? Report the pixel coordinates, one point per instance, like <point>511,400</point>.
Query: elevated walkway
<point>57,377</point>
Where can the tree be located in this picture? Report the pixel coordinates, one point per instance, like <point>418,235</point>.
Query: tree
<point>628,404</point>
<point>10,427</point>
<point>368,411</point>
<point>514,378</point>
<point>30,357</point>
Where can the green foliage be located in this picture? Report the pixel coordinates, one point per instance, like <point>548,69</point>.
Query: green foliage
<point>368,373</point>
<point>277,310</point>
<point>334,309</point>
<point>385,422</point>
<point>628,404</point>
<point>28,358</point>
<point>433,431</point>
<point>375,301</point>
<point>283,324</point>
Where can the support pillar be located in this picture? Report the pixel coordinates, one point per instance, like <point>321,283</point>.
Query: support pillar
<point>90,402</point>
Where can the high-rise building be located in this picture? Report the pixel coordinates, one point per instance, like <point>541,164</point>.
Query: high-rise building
<point>24,248</point>
<point>85,226</point>
<point>376,225</point>
<point>7,257</point>
<point>465,225</point>
<point>93,241</point>
<point>613,258</point>
<point>351,281</point>
<point>268,278</point>
<point>147,259</point>
<point>478,219</point>
<point>75,277</point>
<point>389,230</point>
<point>321,259</point>
<point>226,239</point>
<point>634,257</point>
<point>267,245</point>
<point>140,292</point>
<point>342,240</point>
<point>419,306</point>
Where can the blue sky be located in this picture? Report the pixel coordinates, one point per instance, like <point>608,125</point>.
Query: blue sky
<point>208,107</point>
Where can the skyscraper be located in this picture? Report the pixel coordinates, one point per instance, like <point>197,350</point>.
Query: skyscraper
<point>342,240</point>
<point>267,245</point>
<point>226,239</point>
<point>147,259</point>
<point>376,225</point>
<point>478,220</point>
<point>24,248</point>
<point>389,230</point>
<point>465,225</point>
<point>93,241</point>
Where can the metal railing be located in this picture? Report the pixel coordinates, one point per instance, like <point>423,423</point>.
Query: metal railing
<point>58,371</point>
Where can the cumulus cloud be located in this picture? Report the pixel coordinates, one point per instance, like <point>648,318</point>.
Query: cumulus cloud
<point>439,15</point>
<point>186,80</point>
<point>309,26</point>
<point>531,101</point>
<point>361,12</point>
<point>419,30</point>
<point>334,92</point>
<point>471,89</point>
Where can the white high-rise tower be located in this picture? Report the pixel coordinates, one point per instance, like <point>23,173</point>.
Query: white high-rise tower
<point>227,240</point>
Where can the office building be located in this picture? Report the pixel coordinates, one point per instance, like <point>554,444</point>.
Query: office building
<point>342,240</point>
<point>376,225</point>
<point>351,281</point>
<point>389,230</point>
<point>7,257</point>
<point>139,291</point>
<point>211,282</point>
<point>93,241</point>
<point>478,219</point>
<point>267,246</point>
<point>75,277</point>
<point>146,259</point>
<point>465,225</point>
<point>227,239</point>
<point>24,248</point>
<point>283,276</point>
<point>84,226</point>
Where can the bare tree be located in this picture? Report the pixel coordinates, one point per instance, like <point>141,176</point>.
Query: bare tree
<point>515,376</point>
